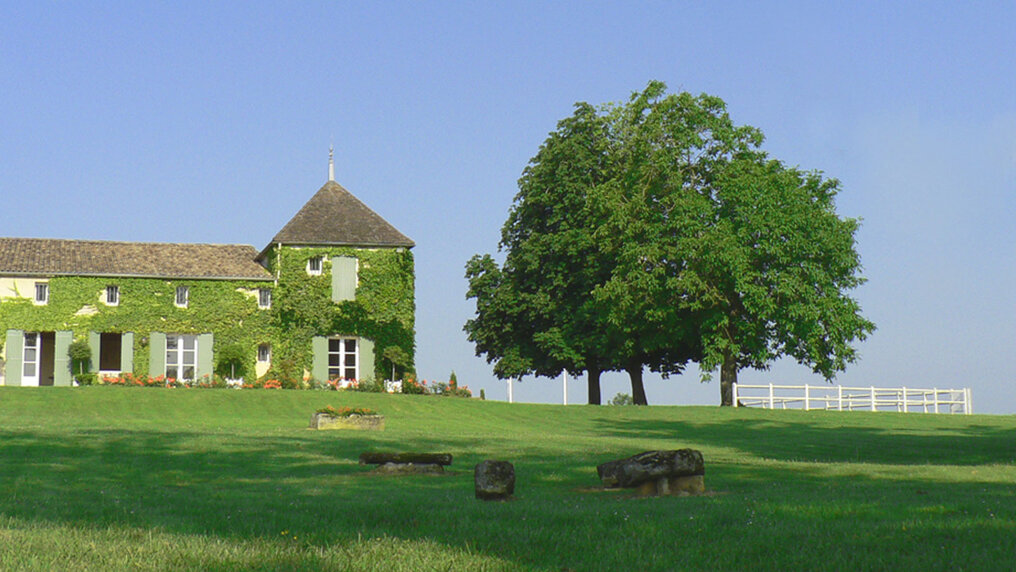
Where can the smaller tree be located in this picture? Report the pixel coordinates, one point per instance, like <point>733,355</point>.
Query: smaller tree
<point>397,358</point>
<point>622,399</point>
<point>232,361</point>
<point>81,355</point>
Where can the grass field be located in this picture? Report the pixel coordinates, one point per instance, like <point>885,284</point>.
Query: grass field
<point>103,478</point>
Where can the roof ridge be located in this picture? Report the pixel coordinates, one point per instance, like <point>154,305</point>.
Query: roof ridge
<point>106,241</point>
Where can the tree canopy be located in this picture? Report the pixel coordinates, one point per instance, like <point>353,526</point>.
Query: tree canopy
<point>657,232</point>
<point>535,314</point>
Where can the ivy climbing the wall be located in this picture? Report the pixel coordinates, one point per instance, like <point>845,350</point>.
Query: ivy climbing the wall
<point>227,308</point>
<point>383,309</point>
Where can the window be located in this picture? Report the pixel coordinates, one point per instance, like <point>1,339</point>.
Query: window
<point>264,298</point>
<point>42,292</point>
<point>342,362</point>
<point>182,296</point>
<point>110,345</point>
<point>314,266</point>
<point>264,353</point>
<point>31,357</point>
<point>181,356</point>
<point>112,295</point>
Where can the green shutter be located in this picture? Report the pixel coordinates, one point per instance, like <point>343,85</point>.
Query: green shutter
<point>366,350</point>
<point>343,278</point>
<point>62,361</point>
<point>126,352</point>
<point>319,369</point>
<point>94,345</point>
<point>15,356</point>
<point>157,354</point>
<point>206,345</point>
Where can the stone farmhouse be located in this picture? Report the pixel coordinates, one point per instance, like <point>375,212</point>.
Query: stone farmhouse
<point>327,298</point>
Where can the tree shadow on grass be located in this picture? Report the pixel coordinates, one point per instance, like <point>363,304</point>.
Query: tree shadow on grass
<point>777,436</point>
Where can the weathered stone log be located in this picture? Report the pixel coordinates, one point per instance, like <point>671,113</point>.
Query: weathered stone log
<point>494,480</point>
<point>409,469</point>
<point>416,458</point>
<point>650,467</point>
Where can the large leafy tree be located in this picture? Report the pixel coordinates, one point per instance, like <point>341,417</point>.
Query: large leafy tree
<point>657,232</point>
<point>540,312</point>
<point>535,314</point>
<point>750,252</point>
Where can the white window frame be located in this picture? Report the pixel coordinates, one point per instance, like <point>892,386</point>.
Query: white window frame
<point>31,358</point>
<point>338,358</point>
<point>43,289</point>
<point>320,263</point>
<point>112,295</point>
<point>180,358</point>
<point>264,298</point>
<point>265,353</point>
<point>186,296</point>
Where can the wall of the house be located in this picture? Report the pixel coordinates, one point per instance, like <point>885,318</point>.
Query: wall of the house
<point>146,308</point>
<point>19,287</point>
<point>377,306</point>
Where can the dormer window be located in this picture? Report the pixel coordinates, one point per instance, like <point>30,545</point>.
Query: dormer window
<point>182,296</point>
<point>112,295</point>
<point>314,266</point>
<point>41,293</point>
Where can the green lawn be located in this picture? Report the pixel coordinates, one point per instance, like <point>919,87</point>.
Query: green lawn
<point>102,478</point>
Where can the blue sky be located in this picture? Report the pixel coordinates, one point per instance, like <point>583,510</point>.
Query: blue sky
<point>210,122</point>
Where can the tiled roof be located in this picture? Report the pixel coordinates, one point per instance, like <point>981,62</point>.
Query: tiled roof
<point>334,216</point>
<point>53,257</point>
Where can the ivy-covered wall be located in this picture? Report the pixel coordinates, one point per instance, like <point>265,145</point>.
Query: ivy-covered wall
<point>227,308</point>
<point>383,310</point>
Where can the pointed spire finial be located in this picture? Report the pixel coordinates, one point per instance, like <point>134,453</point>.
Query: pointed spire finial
<point>331,163</point>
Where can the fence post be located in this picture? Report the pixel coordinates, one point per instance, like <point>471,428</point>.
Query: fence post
<point>839,398</point>
<point>905,408</point>
<point>807,398</point>
<point>772,400</point>
<point>733,389</point>
<point>873,398</point>
<point>969,406</point>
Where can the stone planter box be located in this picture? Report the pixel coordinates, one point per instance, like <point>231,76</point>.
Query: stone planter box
<point>361,422</point>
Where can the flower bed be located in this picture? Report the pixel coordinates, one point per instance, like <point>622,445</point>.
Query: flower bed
<point>409,385</point>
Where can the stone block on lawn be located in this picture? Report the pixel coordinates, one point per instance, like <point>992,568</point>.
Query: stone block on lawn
<point>494,480</point>
<point>657,472</point>
<point>361,422</point>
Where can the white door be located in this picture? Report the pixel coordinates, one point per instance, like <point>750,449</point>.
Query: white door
<point>30,365</point>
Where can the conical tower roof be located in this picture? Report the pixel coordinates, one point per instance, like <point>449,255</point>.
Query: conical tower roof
<point>333,216</point>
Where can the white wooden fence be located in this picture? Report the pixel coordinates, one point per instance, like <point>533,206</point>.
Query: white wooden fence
<point>839,398</point>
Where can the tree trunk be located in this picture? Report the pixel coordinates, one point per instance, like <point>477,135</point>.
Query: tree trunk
<point>638,390</point>
<point>728,377</point>
<point>593,378</point>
